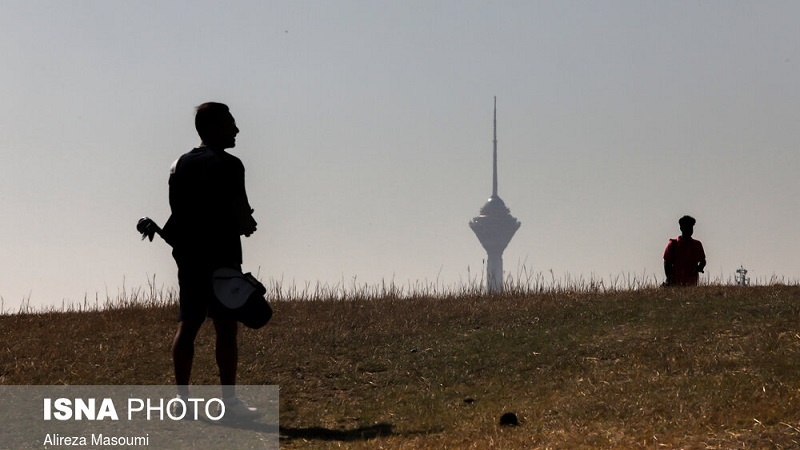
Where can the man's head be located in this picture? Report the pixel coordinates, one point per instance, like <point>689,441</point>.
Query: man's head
<point>215,125</point>
<point>687,225</point>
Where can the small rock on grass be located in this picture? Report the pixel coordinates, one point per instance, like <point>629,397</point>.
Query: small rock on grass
<point>509,419</point>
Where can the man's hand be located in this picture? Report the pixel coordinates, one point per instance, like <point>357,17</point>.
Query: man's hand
<point>700,266</point>
<point>249,224</point>
<point>147,227</point>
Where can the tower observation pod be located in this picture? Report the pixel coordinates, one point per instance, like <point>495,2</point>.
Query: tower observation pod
<point>494,226</point>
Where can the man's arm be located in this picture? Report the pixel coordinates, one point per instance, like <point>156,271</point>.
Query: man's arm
<point>668,266</point>
<point>702,264</point>
<point>668,272</point>
<point>244,213</point>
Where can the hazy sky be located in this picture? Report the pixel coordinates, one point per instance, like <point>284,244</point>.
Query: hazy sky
<point>366,131</point>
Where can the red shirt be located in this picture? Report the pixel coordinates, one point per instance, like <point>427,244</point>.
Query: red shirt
<point>684,254</point>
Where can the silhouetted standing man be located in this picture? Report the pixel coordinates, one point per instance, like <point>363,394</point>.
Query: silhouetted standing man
<point>209,213</point>
<point>684,257</point>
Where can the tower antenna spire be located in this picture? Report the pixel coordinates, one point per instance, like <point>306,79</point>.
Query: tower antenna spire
<point>494,153</point>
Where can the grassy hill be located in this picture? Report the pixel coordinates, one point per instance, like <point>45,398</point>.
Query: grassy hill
<point>706,368</point>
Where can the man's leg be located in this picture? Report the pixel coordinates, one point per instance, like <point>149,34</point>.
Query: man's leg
<point>227,353</point>
<point>183,353</point>
<point>227,360</point>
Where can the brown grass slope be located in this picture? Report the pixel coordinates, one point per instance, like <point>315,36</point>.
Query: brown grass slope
<point>712,367</point>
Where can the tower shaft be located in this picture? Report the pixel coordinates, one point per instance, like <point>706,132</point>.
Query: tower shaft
<point>494,271</point>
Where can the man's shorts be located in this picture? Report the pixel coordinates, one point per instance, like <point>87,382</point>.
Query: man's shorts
<point>197,299</point>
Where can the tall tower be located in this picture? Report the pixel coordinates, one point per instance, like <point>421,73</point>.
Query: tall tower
<point>494,226</point>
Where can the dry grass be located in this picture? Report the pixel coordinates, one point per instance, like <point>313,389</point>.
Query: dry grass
<point>707,368</point>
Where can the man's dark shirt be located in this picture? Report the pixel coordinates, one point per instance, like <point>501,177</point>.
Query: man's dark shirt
<point>208,201</point>
<point>684,254</point>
